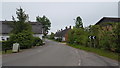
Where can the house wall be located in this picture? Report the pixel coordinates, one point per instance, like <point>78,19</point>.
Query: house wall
<point>38,35</point>
<point>66,36</point>
<point>63,39</point>
<point>6,37</point>
<point>56,37</point>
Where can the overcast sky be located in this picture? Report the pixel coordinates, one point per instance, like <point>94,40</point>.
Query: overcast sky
<point>61,14</point>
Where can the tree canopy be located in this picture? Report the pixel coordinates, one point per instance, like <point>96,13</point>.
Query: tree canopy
<point>45,22</point>
<point>20,24</point>
<point>78,22</point>
<point>22,31</point>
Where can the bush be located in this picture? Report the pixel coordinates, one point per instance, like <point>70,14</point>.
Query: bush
<point>6,45</point>
<point>104,43</point>
<point>105,38</point>
<point>25,39</point>
<point>59,39</point>
<point>52,35</point>
<point>37,41</point>
<point>70,36</point>
<point>77,36</point>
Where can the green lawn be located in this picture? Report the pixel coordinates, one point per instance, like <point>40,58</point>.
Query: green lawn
<point>98,51</point>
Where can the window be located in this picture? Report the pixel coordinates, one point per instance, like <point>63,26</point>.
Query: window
<point>7,38</point>
<point>3,39</point>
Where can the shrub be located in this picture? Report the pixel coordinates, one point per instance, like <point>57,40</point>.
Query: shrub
<point>77,36</point>
<point>6,45</point>
<point>51,36</point>
<point>37,41</point>
<point>70,36</point>
<point>25,39</point>
<point>104,43</point>
<point>59,39</point>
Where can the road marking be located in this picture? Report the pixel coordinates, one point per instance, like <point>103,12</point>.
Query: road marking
<point>79,63</point>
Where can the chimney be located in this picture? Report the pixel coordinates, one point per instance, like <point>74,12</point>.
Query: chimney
<point>69,27</point>
<point>66,27</point>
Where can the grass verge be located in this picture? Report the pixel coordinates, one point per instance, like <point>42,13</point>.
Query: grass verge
<point>100,52</point>
<point>8,52</point>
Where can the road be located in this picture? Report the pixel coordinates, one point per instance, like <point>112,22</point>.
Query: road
<point>56,54</point>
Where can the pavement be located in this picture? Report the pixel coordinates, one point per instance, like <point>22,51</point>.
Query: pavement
<point>55,54</point>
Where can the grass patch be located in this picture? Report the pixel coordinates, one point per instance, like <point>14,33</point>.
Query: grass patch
<point>8,52</point>
<point>100,52</point>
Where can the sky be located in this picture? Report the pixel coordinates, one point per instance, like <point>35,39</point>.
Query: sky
<point>62,14</point>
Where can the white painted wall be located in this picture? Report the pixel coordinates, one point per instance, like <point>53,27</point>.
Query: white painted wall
<point>56,37</point>
<point>63,38</point>
<point>5,37</point>
<point>38,35</point>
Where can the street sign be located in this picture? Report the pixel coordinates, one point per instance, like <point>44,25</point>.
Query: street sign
<point>92,37</point>
<point>15,47</point>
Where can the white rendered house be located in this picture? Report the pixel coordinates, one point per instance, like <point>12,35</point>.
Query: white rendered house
<point>62,34</point>
<point>5,30</point>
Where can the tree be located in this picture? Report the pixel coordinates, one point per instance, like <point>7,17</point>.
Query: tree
<point>77,36</point>
<point>71,36</point>
<point>20,24</point>
<point>25,39</point>
<point>52,35</point>
<point>117,34</point>
<point>94,30</point>
<point>45,22</point>
<point>22,31</point>
<point>78,22</point>
<point>21,16</point>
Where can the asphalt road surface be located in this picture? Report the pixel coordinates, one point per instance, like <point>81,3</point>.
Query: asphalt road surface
<point>55,54</point>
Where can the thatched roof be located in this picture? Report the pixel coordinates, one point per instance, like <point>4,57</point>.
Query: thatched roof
<point>6,29</point>
<point>62,33</point>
